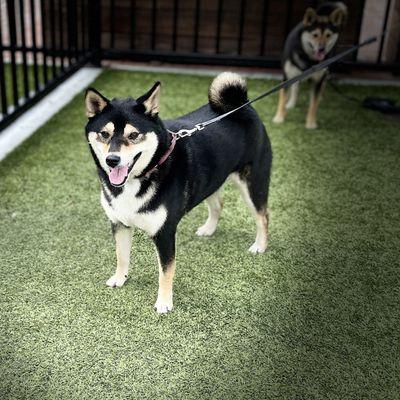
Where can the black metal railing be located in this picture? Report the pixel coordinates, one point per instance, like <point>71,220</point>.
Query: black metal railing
<point>223,32</point>
<point>42,42</point>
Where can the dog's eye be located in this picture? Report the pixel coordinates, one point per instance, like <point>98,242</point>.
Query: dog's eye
<point>133,136</point>
<point>328,35</point>
<point>104,134</point>
<point>315,35</point>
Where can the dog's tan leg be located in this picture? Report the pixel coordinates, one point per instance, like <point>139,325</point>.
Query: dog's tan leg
<point>123,241</point>
<point>261,242</point>
<point>165,244</point>
<point>316,95</point>
<point>260,216</point>
<point>214,204</point>
<point>164,301</point>
<point>281,112</point>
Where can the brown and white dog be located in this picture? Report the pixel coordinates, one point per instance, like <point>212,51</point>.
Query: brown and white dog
<point>309,43</point>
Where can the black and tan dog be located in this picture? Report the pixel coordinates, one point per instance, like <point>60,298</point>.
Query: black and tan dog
<point>150,182</point>
<point>310,42</point>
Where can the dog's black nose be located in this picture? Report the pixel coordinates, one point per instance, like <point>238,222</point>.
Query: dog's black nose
<point>113,160</point>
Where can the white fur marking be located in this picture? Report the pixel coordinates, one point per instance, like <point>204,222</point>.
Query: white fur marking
<point>214,205</point>
<point>125,207</point>
<point>123,242</point>
<point>291,70</point>
<point>294,92</point>
<point>310,45</point>
<point>222,80</point>
<point>116,281</point>
<point>148,147</point>
<point>98,150</point>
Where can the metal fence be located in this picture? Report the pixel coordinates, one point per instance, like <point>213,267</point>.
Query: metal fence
<point>42,42</point>
<point>224,32</point>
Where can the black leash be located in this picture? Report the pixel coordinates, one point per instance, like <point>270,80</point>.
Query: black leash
<point>339,91</point>
<point>318,67</point>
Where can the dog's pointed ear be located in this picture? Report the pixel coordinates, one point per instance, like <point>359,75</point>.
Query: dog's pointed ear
<point>149,103</point>
<point>95,102</point>
<point>310,17</point>
<point>337,17</point>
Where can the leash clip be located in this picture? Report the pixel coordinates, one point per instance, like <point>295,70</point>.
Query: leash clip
<point>182,133</point>
<point>187,132</point>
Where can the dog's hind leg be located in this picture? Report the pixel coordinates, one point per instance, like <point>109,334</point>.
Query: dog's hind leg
<point>165,244</point>
<point>123,241</point>
<point>255,199</point>
<point>281,112</point>
<point>294,93</point>
<point>214,205</point>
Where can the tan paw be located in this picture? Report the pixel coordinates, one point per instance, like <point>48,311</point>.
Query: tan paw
<point>256,248</point>
<point>311,125</point>
<point>116,281</point>
<point>206,230</point>
<point>290,105</point>
<point>163,305</point>
<point>278,119</point>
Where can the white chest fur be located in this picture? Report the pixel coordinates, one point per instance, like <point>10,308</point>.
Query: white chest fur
<point>125,209</point>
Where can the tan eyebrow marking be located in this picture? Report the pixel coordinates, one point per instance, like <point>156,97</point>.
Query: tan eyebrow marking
<point>130,129</point>
<point>109,127</point>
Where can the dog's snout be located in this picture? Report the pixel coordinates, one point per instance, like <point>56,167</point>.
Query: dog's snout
<point>113,160</point>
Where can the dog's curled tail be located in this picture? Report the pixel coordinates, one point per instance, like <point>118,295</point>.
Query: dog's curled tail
<point>343,7</point>
<point>227,91</point>
<point>345,12</point>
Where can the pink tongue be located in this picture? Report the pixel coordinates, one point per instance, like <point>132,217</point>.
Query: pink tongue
<point>320,55</point>
<point>118,174</point>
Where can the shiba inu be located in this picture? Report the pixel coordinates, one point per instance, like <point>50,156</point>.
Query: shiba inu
<point>310,42</point>
<point>150,180</point>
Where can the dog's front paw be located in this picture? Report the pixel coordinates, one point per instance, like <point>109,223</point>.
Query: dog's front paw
<point>278,119</point>
<point>206,230</point>
<point>311,125</point>
<point>163,305</point>
<point>290,105</point>
<point>116,281</point>
<point>256,248</point>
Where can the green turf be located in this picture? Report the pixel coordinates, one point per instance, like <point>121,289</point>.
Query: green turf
<point>19,73</point>
<point>317,317</point>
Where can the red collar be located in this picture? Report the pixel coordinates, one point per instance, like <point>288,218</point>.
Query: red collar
<point>166,154</point>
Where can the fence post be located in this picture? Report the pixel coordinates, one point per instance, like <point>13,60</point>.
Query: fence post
<point>13,45</point>
<point>95,32</point>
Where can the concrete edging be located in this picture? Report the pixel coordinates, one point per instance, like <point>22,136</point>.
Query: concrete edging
<point>40,113</point>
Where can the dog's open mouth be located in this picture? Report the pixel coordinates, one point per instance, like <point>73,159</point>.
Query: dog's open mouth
<point>119,175</point>
<point>320,55</point>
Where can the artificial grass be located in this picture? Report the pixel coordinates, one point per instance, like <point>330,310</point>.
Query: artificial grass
<point>8,78</point>
<point>317,317</point>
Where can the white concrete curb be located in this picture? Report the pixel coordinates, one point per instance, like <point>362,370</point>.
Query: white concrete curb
<point>190,71</point>
<point>254,75</point>
<point>39,114</point>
